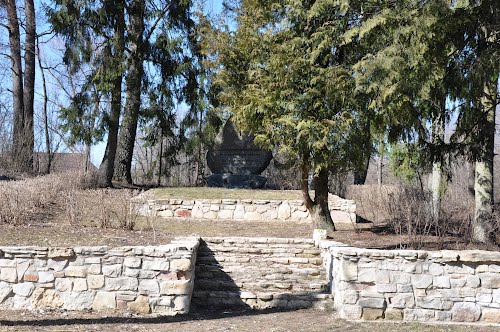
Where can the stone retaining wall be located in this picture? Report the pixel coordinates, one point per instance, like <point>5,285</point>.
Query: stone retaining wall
<point>342,210</point>
<point>135,279</point>
<point>412,285</point>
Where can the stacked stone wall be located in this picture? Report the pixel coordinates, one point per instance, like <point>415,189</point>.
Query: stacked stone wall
<point>260,273</point>
<point>134,279</point>
<point>342,210</point>
<point>411,285</point>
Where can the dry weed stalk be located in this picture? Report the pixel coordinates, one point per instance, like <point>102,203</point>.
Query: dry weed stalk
<point>407,211</point>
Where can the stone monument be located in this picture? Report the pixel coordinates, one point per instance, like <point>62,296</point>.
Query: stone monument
<point>235,161</point>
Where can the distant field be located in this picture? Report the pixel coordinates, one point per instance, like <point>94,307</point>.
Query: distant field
<point>223,193</point>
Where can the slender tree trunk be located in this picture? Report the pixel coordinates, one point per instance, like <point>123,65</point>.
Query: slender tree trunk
<point>483,185</point>
<point>304,183</point>
<point>471,178</point>
<point>361,170</point>
<point>29,87</point>
<point>437,186</point>
<point>86,160</point>
<point>380,163</point>
<point>200,171</point>
<point>45,111</point>
<point>128,129</point>
<point>107,167</point>
<point>160,159</point>
<point>17,82</point>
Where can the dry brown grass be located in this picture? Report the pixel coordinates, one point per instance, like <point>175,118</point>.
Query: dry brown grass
<point>21,200</point>
<point>54,210</point>
<point>102,208</point>
<point>30,200</point>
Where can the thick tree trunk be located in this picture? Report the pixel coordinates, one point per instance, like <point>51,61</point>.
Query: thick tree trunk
<point>318,208</point>
<point>360,174</point>
<point>483,186</point>
<point>437,185</point>
<point>200,170</point>
<point>128,129</point>
<point>17,82</point>
<point>107,167</point>
<point>320,215</point>
<point>29,87</point>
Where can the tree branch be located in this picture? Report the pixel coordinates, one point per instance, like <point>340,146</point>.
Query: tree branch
<point>158,19</point>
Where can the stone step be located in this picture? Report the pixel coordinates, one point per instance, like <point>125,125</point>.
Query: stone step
<point>258,273</point>
<point>258,247</point>
<point>241,257</point>
<point>237,241</point>
<point>217,300</point>
<point>244,260</point>
<point>228,256</point>
<point>292,286</point>
<point>259,251</point>
<point>267,269</point>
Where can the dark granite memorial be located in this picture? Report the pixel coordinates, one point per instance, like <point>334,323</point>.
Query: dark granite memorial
<point>235,161</point>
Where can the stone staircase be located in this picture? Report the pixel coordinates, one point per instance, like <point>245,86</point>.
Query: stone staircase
<point>260,273</point>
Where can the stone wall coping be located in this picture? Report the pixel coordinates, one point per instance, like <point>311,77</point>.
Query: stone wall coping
<point>178,246</point>
<point>263,240</point>
<point>338,249</point>
<point>190,201</point>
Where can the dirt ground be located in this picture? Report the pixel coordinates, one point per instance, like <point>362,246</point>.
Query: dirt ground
<point>152,232</point>
<point>250,321</point>
<point>161,231</point>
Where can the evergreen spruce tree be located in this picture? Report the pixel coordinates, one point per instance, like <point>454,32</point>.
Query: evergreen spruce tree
<point>433,52</point>
<point>94,33</point>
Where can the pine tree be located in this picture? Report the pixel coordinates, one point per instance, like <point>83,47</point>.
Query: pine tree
<point>144,18</point>
<point>135,72</point>
<point>94,34</point>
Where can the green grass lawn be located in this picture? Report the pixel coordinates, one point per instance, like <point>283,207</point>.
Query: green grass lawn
<point>223,193</point>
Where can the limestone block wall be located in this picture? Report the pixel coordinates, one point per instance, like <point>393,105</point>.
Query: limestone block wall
<point>134,279</point>
<point>260,273</point>
<point>411,285</point>
<point>342,210</point>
